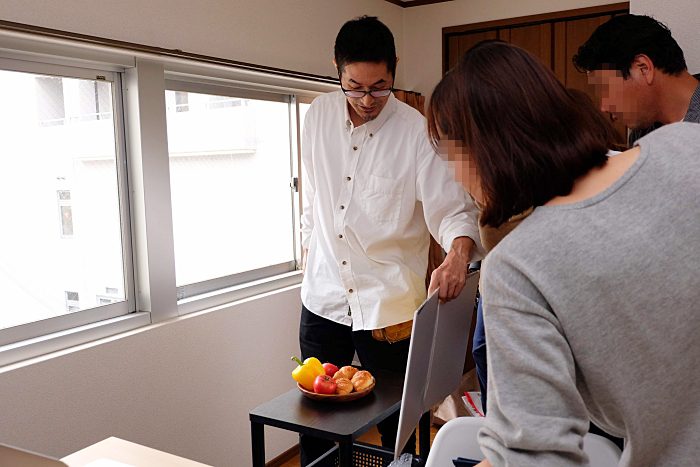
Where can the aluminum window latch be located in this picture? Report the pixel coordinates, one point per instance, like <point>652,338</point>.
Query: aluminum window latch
<point>295,184</point>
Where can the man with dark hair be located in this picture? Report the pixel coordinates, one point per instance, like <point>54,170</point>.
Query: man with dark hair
<point>640,74</point>
<point>373,190</point>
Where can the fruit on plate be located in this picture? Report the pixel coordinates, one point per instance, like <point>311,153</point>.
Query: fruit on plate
<point>324,384</point>
<point>343,386</point>
<point>306,372</point>
<point>345,372</point>
<point>330,369</point>
<point>361,380</point>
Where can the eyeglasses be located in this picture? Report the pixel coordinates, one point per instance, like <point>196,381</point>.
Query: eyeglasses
<point>372,92</point>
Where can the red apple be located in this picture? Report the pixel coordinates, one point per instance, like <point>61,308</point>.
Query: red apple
<point>324,384</point>
<point>330,369</point>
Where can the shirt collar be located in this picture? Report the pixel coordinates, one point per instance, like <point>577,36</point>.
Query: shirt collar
<point>373,126</point>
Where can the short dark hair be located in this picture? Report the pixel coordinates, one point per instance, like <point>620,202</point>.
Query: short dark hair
<point>365,39</point>
<point>615,44</point>
<point>528,137</point>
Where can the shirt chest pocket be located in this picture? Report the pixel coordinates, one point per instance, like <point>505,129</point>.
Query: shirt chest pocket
<point>381,198</point>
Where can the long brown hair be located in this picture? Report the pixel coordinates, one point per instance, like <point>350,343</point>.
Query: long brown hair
<point>528,137</point>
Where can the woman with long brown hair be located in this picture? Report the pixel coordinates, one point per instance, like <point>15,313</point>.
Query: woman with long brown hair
<point>576,297</point>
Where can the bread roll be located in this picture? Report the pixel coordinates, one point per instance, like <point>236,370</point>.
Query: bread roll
<point>346,372</point>
<point>343,386</point>
<point>362,380</point>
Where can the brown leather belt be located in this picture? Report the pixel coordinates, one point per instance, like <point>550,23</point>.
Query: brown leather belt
<point>393,333</point>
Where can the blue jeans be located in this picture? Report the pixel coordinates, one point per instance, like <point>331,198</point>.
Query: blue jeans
<point>479,352</point>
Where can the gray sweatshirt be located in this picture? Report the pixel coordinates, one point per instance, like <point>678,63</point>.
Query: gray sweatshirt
<point>592,312</point>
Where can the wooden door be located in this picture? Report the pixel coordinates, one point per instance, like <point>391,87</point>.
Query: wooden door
<point>458,45</point>
<point>536,39</point>
<point>554,38</point>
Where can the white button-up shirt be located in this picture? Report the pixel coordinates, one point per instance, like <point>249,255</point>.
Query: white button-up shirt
<point>371,195</point>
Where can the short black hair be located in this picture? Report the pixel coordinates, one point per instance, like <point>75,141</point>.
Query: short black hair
<point>365,39</point>
<point>615,44</point>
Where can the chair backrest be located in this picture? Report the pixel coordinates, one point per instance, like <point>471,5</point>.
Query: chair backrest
<point>601,451</point>
<point>458,438</point>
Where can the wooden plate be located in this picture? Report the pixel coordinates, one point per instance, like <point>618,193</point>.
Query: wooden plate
<point>337,397</point>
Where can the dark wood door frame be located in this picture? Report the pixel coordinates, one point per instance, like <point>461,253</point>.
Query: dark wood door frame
<point>579,13</point>
<point>410,3</point>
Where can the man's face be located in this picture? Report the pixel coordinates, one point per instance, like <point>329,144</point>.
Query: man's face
<point>366,76</point>
<point>626,99</point>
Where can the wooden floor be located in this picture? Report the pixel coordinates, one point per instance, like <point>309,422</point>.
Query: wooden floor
<point>371,437</point>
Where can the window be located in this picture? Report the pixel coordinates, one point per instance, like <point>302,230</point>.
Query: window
<point>49,100</point>
<point>225,168</point>
<point>72,301</point>
<point>65,212</point>
<point>230,172</point>
<point>60,154</point>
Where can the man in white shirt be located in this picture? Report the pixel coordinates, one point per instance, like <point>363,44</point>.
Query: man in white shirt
<point>373,191</point>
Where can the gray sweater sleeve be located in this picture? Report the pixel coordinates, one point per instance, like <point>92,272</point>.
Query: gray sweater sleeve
<point>538,417</point>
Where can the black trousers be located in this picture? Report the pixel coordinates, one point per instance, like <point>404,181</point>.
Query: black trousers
<point>333,342</point>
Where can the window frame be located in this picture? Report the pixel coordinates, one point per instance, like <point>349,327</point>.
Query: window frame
<point>88,316</point>
<point>224,284</point>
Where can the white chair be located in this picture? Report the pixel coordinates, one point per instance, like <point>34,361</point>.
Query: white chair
<point>457,438</point>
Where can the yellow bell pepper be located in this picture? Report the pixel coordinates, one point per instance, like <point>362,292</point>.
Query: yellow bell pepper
<point>306,372</point>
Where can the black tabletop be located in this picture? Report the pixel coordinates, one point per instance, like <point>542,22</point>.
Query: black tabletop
<point>338,421</point>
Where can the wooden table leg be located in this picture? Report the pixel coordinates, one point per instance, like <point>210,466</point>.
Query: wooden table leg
<point>257,435</point>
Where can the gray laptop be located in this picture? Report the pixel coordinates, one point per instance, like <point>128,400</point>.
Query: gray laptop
<point>15,457</point>
<point>436,356</point>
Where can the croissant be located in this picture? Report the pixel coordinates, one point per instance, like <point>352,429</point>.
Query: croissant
<point>343,386</point>
<point>362,380</point>
<point>345,372</point>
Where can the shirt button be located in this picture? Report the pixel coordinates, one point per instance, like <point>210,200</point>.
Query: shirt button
<point>344,263</point>
<point>348,178</point>
<point>342,207</point>
<point>371,134</point>
<point>340,236</point>
<point>350,290</point>
<point>354,148</point>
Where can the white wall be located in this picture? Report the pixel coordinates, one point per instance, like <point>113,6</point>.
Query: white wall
<point>292,34</point>
<point>422,26</point>
<point>682,18</point>
<point>184,386</point>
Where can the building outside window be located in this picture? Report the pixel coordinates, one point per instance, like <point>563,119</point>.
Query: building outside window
<point>59,155</point>
<point>230,172</point>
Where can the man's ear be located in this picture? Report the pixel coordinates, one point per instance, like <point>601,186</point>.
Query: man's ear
<point>645,68</point>
<point>336,66</point>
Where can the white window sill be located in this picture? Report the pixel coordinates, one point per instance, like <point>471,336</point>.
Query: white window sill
<point>62,340</point>
<point>23,352</point>
<point>239,292</point>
